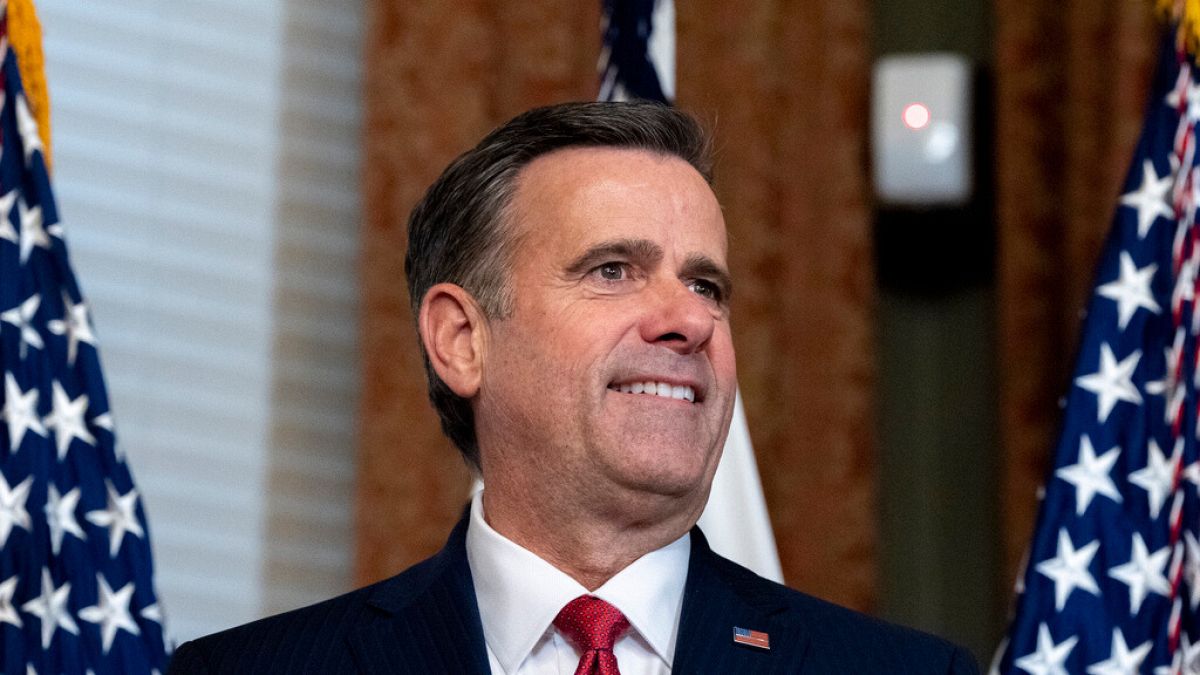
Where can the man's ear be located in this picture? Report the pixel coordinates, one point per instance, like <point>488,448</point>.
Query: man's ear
<point>453,329</point>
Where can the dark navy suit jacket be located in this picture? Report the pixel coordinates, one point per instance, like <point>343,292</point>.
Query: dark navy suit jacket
<point>426,620</point>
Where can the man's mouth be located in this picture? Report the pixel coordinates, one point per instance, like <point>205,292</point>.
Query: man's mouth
<point>680,392</point>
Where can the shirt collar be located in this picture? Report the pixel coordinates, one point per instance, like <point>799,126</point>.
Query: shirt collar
<point>519,594</point>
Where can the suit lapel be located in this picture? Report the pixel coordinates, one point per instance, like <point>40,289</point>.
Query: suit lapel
<point>720,596</point>
<point>428,619</point>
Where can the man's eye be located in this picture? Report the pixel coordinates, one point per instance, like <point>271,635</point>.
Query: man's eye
<point>706,289</point>
<point>612,271</point>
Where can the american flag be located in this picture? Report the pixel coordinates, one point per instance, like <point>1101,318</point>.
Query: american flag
<point>1112,580</point>
<point>627,63</point>
<point>754,638</point>
<point>76,591</point>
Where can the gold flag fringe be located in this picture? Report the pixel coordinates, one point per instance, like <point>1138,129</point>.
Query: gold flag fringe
<point>25,36</point>
<point>1186,15</point>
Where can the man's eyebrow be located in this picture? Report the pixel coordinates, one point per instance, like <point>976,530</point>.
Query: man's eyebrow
<point>642,251</point>
<point>701,266</point>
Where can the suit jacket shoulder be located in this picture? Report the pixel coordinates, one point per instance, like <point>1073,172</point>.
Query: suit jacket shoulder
<point>806,634</point>
<point>424,620</point>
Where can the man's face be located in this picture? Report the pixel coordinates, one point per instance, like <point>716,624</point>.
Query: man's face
<point>614,374</point>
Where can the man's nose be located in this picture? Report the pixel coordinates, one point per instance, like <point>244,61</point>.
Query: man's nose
<point>677,318</point>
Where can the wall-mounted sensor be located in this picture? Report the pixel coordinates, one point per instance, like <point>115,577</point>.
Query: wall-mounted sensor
<point>921,130</point>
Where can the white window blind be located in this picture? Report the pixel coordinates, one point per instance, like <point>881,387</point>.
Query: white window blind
<point>206,167</point>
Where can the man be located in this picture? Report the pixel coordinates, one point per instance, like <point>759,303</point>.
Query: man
<point>571,291</point>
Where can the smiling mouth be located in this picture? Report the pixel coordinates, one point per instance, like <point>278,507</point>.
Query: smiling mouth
<point>660,389</point>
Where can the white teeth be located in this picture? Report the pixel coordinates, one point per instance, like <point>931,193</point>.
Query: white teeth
<point>663,389</point>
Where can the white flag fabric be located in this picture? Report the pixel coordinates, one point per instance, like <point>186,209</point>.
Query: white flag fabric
<point>735,520</point>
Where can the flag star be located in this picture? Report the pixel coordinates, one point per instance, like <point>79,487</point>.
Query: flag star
<point>1158,476</point>
<point>1131,290</point>
<point>21,316</point>
<point>12,507</point>
<point>1144,573</point>
<point>111,611</point>
<point>1192,568</point>
<point>51,608</point>
<point>1150,198</point>
<point>1112,382</point>
<point>1192,473</point>
<point>152,613</point>
<point>75,325</point>
<point>1090,475</point>
<point>1188,655</point>
<point>6,229</point>
<point>1175,96</point>
<point>60,516</point>
<point>1121,660</point>
<point>32,233</point>
<point>67,420</point>
<point>1049,658</point>
<point>20,411</point>
<point>1185,288</point>
<point>103,421</point>
<point>1171,384</point>
<point>1068,569</point>
<point>27,127</point>
<point>120,517</point>
<point>8,613</point>
<point>1170,367</point>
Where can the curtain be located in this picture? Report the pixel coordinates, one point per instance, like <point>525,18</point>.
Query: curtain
<point>1071,81</point>
<point>784,86</point>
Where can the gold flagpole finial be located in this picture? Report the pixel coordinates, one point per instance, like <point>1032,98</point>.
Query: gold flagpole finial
<point>25,36</point>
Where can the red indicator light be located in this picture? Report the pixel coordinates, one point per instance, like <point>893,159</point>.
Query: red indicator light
<point>915,116</point>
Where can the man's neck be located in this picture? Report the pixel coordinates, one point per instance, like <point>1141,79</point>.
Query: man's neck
<point>589,549</point>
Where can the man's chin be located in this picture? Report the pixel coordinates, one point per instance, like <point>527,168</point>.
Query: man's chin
<point>658,470</point>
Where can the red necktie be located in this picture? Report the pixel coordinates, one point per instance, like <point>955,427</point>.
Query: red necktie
<point>593,626</point>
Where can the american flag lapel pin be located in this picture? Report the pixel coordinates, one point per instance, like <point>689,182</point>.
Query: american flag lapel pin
<point>753,638</point>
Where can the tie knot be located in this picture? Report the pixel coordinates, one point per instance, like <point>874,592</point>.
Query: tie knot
<point>591,623</point>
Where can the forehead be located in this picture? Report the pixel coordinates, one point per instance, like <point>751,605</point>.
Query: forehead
<point>569,199</point>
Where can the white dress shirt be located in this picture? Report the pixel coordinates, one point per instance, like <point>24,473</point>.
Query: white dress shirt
<point>519,595</point>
